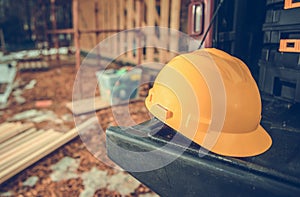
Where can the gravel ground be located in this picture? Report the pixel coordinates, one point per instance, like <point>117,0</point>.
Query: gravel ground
<point>71,170</point>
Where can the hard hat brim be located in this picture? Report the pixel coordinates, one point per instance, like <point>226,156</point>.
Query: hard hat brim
<point>238,144</point>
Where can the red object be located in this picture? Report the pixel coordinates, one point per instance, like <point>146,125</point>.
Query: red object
<point>43,103</point>
<point>207,13</point>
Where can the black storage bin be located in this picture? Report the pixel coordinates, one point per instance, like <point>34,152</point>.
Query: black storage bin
<point>281,17</point>
<point>279,81</point>
<point>278,59</point>
<point>271,2</point>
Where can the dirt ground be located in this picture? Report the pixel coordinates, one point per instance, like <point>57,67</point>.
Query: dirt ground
<point>56,85</point>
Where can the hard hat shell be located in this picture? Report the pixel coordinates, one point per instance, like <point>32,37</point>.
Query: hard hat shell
<point>211,97</point>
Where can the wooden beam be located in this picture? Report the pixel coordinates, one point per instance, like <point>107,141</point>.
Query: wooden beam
<point>16,141</point>
<point>129,25</point>
<point>151,9</point>
<point>96,10</point>
<point>10,132</point>
<point>101,19</point>
<point>164,22</point>
<point>84,106</point>
<point>92,31</point>
<point>121,25</point>
<point>27,148</point>
<point>138,23</point>
<point>54,26</point>
<point>61,31</point>
<point>76,33</point>
<point>7,125</point>
<point>174,24</point>
<point>19,139</point>
<point>175,14</point>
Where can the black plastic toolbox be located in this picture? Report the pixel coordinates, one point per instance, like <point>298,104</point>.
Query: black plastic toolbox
<point>271,2</point>
<point>273,36</point>
<point>280,17</point>
<point>278,59</point>
<point>281,82</point>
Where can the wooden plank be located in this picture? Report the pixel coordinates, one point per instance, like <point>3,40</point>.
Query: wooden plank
<point>174,24</point>
<point>24,146</point>
<point>101,19</point>
<point>138,23</point>
<point>150,22</point>
<point>43,151</point>
<point>129,25</point>
<point>28,148</point>
<point>84,106</point>
<point>121,19</point>
<point>114,25</point>
<point>7,125</point>
<point>175,14</point>
<point>14,131</point>
<point>164,13</point>
<point>93,31</point>
<point>60,31</point>
<point>164,22</point>
<point>76,33</point>
<point>18,140</point>
<point>96,11</point>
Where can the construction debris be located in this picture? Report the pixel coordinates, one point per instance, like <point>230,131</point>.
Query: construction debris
<point>31,181</point>
<point>51,85</point>
<point>32,66</point>
<point>37,116</point>
<point>123,183</point>
<point>93,181</point>
<point>7,194</point>
<point>65,169</point>
<point>43,103</point>
<point>30,85</point>
<point>34,54</point>
<point>7,76</point>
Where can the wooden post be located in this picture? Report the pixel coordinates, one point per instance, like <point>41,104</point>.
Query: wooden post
<point>150,22</point>
<point>174,24</point>
<point>114,25</point>
<point>54,27</point>
<point>175,14</point>
<point>96,7</point>
<point>76,34</point>
<point>164,22</point>
<point>138,21</point>
<point>121,10</point>
<point>101,19</point>
<point>129,21</point>
<point>3,48</point>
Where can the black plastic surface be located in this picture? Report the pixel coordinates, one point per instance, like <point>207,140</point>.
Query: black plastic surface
<point>278,59</point>
<point>281,17</point>
<point>273,173</point>
<point>281,82</point>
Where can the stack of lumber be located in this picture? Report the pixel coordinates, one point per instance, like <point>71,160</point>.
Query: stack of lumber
<point>21,145</point>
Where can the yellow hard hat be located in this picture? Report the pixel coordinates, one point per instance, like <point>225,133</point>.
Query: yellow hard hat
<point>211,97</point>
